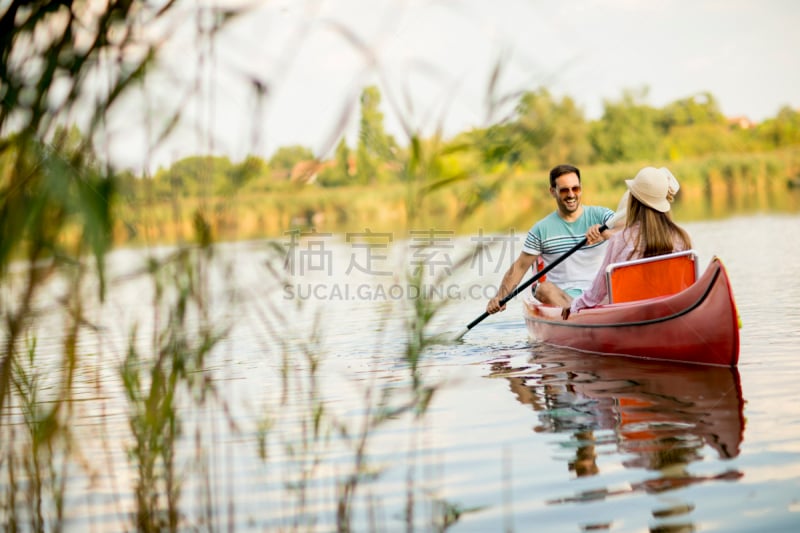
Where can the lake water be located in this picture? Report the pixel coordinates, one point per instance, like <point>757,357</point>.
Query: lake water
<point>311,386</point>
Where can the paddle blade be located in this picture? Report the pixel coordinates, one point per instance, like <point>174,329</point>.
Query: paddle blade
<point>458,336</point>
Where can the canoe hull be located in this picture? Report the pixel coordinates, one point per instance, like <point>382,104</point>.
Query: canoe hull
<point>697,325</point>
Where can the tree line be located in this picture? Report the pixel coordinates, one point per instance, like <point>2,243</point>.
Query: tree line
<point>542,131</point>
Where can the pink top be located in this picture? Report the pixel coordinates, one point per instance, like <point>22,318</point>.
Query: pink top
<point>620,248</point>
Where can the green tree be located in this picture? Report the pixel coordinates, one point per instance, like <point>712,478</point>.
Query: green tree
<point>629,129</point>
<point>695,126</point>
<point>195,176</point>
<point>375,147</point>
<point>701,108</point>
<point>248,170</point>
<point>783,130</point>
<point>339,174</point>
<point>551,131</point>
<point>699,139</point>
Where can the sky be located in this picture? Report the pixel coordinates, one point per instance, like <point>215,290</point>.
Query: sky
<point>290,71</point>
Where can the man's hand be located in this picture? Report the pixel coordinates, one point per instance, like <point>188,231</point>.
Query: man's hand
<point>511,279</point>
<point>593,235</point>
<point>565,312</point>
<point>494,306</point>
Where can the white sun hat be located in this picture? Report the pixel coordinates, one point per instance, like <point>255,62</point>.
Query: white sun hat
<point>654,187</point>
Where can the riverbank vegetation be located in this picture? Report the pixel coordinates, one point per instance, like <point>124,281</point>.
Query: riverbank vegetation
<point>470,178</point>
<point>713,186</point>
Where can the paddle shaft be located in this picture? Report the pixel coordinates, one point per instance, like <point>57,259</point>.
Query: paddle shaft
<point>530,281</point>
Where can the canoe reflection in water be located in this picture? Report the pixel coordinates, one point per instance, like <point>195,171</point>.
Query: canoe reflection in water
<point>659,416</point>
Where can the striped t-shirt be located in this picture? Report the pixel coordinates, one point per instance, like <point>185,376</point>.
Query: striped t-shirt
<point>552,236</point>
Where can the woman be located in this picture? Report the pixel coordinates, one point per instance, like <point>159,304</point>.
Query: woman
<point>649,231</point>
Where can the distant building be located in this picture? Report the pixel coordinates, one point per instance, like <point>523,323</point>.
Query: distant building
<point>740,122</point>
<point>307,171</point>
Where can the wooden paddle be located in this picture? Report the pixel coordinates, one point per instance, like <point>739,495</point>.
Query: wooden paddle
<point>620,213</point>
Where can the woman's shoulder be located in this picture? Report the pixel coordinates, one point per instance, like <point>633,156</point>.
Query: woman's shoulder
<point>679,245</point>
<point>622,243</point>
<point>628,233</point>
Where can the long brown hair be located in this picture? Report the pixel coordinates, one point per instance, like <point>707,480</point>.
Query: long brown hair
<point>656,230</point>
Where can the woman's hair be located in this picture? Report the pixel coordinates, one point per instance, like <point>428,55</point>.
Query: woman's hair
<point>656,230</point>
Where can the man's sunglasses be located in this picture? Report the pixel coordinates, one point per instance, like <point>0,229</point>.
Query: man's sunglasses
<point>563,191</point>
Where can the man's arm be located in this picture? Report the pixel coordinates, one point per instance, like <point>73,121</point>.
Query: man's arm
<point>511,279</point>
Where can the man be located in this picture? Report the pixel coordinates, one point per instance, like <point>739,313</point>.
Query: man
<point>554,235</point>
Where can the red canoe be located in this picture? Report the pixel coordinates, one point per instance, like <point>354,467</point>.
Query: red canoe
<point>699,324</point>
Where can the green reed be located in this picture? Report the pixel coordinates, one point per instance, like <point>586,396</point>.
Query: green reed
<point>316,429</point>
<point>153,383</point>
<point>37,454</point>
<point>57,215</point>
